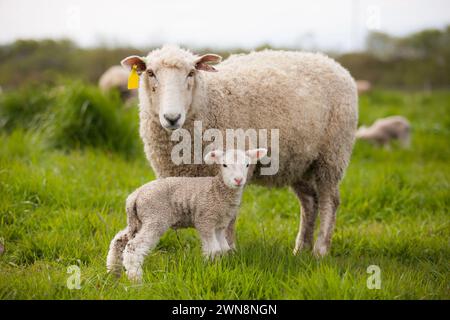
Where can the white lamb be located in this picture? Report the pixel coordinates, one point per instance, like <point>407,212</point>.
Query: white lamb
<point>209,204</point>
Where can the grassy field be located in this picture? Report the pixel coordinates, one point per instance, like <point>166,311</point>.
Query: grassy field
<point>62,206</point>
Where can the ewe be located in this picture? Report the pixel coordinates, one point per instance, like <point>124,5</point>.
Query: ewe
<point>209,204</point>
<point>309,97</point>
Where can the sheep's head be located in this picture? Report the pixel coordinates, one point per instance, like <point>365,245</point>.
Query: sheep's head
<point>168,78</point>
<point>235,164</point>
<point>362,132</point>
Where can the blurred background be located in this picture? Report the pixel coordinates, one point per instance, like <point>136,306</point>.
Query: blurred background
<point>391,43</point>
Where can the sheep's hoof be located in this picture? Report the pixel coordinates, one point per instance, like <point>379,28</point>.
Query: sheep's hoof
<point>320,251</point>
<point>212,255</point>
<point>301,247</point>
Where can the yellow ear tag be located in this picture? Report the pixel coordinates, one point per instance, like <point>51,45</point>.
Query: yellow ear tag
<point>133,79</point>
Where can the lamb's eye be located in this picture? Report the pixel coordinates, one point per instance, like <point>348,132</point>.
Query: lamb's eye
<point>224,165</point>
<point>151,73</point>
<point>248,165</point>
<point>191,73</point>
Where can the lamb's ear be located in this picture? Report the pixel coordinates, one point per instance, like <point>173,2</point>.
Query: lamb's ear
<point>130,61</point>
<point>202,62</point>
<point>214,156</point>
<point>256,154</point>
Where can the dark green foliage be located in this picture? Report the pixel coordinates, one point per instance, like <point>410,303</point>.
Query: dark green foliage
<point>72,116</point>
<point>83,116</point>
<point>24,108</point>
<point>420,60</point>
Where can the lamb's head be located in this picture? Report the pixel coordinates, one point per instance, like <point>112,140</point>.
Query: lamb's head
<point>168,78</point>
<point>235,164</point>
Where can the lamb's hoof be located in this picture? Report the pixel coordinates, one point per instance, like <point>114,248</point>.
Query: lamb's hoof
<point>135,275</point>
<point>115,270</point>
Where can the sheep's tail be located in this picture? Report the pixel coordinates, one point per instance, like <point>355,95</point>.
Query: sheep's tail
<point>134,223</point>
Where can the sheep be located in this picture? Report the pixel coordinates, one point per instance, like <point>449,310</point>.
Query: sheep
<point>363,86</point>
<point>308,97</point>
<point>116,77</point>
<point>207,203</point>
<point>383,131</point>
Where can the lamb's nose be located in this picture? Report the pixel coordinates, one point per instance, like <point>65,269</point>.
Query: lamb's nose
<point>172,118</point>
<point>238,181</point>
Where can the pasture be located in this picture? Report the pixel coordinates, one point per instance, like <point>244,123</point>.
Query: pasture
<point>70,156</point>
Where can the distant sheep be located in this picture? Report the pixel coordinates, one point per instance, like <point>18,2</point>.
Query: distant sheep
<point>309,97</point>
<point>116,77</point>
<point>209,204</point>
<point>363,86</point>
<point>383,131</point>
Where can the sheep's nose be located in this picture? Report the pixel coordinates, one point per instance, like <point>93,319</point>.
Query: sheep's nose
<point>238,181</point>
<point>172,118</point>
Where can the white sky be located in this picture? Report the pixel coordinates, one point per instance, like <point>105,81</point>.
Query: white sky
<point>312,24</point>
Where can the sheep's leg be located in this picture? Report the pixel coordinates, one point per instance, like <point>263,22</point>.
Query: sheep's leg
<point>114,259</point>
<point>405,140</point>
<point>328,204</point>
<point>221,238</point>
<point>137,248</point>
<point>307,195</point>
<point>210,245</point>
<point>230,234</point>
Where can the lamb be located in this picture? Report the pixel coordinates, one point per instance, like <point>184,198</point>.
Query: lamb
<point>385,130</point>
<point>207,203</point>
<point>308,97</point>
<point>116,78</point>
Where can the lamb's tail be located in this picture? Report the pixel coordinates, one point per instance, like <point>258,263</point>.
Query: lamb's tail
<point>114,259</point>
<point>134,223</point>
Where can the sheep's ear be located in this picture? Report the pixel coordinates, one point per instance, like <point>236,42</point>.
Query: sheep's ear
<point>202,62</point>
<point>256,154</point>
<point>214,156</point>
<point>130,61</point>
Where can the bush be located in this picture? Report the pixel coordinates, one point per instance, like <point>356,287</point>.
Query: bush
<point>23,108</point>
<point>83,116</point>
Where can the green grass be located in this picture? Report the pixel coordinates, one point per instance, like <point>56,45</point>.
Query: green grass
<point>60,208</point>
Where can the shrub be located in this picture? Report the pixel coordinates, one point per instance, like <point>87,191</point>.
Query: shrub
<point>23,108</point>
<point>83,116</point>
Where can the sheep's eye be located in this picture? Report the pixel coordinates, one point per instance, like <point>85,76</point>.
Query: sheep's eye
<point>248,165</point>
<point>191,73</point>
<point>150,73</point>
<point>224,165</point>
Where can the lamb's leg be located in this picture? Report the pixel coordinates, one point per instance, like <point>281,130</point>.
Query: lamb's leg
<point>137,248</point>
<point>230,234</point>
<point>210,245</point>
<point>306,193</point>
<point>328,204</point>
<point>114,259</point>
<point>221,238</point>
